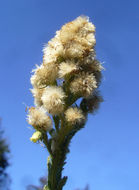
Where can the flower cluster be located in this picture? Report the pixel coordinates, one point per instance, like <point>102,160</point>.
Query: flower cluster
<point>69,71</point>
<point>65,92</point>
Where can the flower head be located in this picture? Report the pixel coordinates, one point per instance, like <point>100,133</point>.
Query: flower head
<point>52,51</point>
<point>44,75</point>
<point>53,99</point>
<point>66,68</point>
<point>83,84</point>
<point>38,119</point>
<point>77,37</point>
<point>37,94</point>
<point>74,115</point>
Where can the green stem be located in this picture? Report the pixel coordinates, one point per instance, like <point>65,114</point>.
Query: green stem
<point>56,165</point>
<point>46,142</point>
<point>56,121</point>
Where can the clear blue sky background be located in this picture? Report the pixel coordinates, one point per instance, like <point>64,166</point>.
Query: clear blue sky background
<point>105,154</point>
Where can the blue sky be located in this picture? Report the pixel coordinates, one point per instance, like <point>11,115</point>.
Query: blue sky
<point>105,154</point>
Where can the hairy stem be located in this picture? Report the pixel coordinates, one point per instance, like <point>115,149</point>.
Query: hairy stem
<point>61,148</point>
<point>46,142</point>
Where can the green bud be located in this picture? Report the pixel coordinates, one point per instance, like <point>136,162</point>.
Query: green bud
<point>36,136</point>
<point>45,187</point>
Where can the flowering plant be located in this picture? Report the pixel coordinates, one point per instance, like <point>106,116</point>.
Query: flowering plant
<point>65,91</point>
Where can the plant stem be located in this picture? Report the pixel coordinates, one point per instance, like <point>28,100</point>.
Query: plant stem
<point>46,142</point>
<point>55,167</point>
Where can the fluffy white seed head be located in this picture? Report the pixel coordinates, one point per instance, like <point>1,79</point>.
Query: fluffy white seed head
<point>52,50</point>
<point>72,29</point>
<point>37,94</point>
<point>74,115</point>
<point>96,66</point>
<point>53,100</point>
<point>66,68</point>
<point>91,64</point>
<point>77,37</point>
<point>38,119</point>
<point>74,40</point>
<point>83,84</point>
<point>44,75</point>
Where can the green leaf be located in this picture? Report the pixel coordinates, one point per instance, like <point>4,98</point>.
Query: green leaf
<point>62,183</point>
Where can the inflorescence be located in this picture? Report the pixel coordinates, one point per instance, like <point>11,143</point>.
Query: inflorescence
<point>65,90</point>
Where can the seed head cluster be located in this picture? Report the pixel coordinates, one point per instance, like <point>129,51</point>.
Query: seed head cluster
<point>39,120</point>
<point>68,70</point>
<point>83,84</point>
<point>74,115</point>
<point>53,100</point>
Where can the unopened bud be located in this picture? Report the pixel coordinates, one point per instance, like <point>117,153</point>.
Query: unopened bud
<point>36,136</point>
